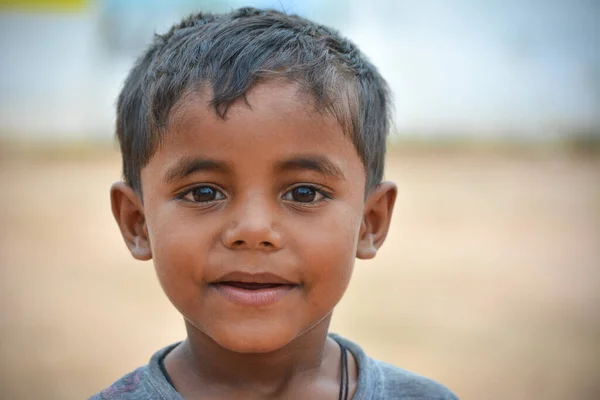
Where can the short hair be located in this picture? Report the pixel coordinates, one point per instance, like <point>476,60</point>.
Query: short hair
<point>230,53</point>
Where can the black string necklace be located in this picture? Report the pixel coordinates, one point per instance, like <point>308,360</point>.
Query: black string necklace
<point>344,380</point>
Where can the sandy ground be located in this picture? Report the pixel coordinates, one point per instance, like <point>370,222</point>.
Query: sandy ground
<point>489,281</point>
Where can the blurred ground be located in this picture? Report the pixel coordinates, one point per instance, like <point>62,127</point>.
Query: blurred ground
<point>489,281</point>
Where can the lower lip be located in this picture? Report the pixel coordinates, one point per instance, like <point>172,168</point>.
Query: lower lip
<point>254,298</point>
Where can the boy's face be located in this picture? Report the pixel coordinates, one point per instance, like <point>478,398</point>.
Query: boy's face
<point>254,222</point>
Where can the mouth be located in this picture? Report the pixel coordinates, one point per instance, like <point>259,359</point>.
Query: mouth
<point>253,279</point>
<point>253,290</point>
<point>251,285</point>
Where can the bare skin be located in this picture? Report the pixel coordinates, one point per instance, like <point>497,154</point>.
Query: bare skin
<point>280,375</point>
<point>272,195</point>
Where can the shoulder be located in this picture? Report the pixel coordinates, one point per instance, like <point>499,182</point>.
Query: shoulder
<point>128,387</point>
<point>401,384</point>
<point>379,380</point>
<point>147,382</point>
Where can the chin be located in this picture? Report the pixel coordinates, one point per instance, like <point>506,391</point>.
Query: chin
<point>263,339</point>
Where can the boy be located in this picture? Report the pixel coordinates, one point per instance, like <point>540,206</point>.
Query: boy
<point>253,146</point>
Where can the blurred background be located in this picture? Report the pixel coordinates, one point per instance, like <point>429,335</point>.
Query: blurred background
<point>490,279</point>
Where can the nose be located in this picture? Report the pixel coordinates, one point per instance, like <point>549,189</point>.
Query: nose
<point>252,228</point>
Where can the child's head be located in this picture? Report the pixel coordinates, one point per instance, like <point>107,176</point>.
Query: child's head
<point>229,54</point>
<point>252,139</point>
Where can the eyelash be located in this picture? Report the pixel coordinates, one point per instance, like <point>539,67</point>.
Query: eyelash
<point>183,196</point>
<point>325,195</point>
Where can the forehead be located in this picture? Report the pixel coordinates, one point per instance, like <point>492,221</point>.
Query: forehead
<point>274,121</point>
<point>277,116</point>
<point>276,103</point>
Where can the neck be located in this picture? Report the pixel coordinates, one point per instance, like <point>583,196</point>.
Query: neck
<point>201,362</point>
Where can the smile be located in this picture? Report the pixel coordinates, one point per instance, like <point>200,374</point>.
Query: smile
<point>253,294</point>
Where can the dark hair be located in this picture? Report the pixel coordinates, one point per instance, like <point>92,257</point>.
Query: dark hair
<point>229,54</point>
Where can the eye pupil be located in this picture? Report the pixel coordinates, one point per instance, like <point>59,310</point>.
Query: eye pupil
<point>204,193</point>
<point>304,194</point>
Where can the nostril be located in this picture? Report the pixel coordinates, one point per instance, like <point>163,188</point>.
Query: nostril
<point>266,244</point>
<point>238,243</point>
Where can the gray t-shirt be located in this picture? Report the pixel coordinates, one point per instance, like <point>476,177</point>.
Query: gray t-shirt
<point>376,380</point>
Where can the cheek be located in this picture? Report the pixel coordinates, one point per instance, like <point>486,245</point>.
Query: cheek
<point>180,245</point>
<point>179,249</point>
<point>330,251</point>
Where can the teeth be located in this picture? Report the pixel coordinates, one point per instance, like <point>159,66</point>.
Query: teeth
<point>251,285</point>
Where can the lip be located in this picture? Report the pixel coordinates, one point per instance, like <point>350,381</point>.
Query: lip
<point>254,277</point>
<point>254,297</point>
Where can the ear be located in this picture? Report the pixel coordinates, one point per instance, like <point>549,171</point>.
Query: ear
<point>128,211</point>
<point>377,216</point>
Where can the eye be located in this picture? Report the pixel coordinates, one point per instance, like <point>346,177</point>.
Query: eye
<point>203,194</point>
<point>305,194</point>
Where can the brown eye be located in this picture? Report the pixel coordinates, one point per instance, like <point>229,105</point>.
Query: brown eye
<point>203,194</point>
<point>305,194</point>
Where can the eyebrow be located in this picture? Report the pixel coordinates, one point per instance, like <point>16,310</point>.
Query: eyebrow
<point>190,165</point>
<point>319,164</point>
